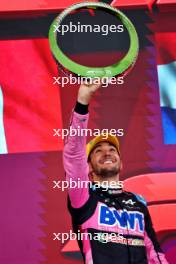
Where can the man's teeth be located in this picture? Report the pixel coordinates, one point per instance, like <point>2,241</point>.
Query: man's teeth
<point>108,162</point>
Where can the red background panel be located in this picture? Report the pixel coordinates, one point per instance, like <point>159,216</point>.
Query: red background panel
<point>35,5</point>
<point>32,106</point>
<point>166,215</point>
<point>166,5</point>
<point>133,4</point>
<point>154,186</point>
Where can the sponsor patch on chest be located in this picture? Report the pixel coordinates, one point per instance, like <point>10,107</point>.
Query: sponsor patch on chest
<point>129,220</point>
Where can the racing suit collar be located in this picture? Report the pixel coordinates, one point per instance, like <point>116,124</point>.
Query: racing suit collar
<point>107,191</point>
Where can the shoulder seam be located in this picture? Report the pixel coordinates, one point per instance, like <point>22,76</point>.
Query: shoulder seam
<point>140,198</point>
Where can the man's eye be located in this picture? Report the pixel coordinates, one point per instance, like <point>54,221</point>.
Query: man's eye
<point>97,150</point>
<point>112,149</point>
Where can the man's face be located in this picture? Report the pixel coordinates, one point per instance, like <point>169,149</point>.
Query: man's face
<point>105,160</point>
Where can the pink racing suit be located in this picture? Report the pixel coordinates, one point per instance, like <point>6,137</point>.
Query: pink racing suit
<point>117,223</point>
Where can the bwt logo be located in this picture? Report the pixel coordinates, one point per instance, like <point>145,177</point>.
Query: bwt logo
<point>131,220</point>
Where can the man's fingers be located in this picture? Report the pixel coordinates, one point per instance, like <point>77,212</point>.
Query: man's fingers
<point>95,84</point>
<point>87,90</point>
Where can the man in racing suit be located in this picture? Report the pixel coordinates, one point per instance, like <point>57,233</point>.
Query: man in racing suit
<point>117,222</point>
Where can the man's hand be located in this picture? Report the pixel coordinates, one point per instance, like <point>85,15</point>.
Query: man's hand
<point>86,91</point>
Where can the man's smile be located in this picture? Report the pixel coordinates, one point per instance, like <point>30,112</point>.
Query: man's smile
<point>107,161</point>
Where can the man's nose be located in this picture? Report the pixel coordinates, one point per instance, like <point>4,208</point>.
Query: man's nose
<point>107,152</point>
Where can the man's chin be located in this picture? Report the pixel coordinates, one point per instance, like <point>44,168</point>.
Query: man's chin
<point>107,172</point>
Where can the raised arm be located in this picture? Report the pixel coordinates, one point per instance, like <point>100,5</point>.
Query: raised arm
<point>74,158</point>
